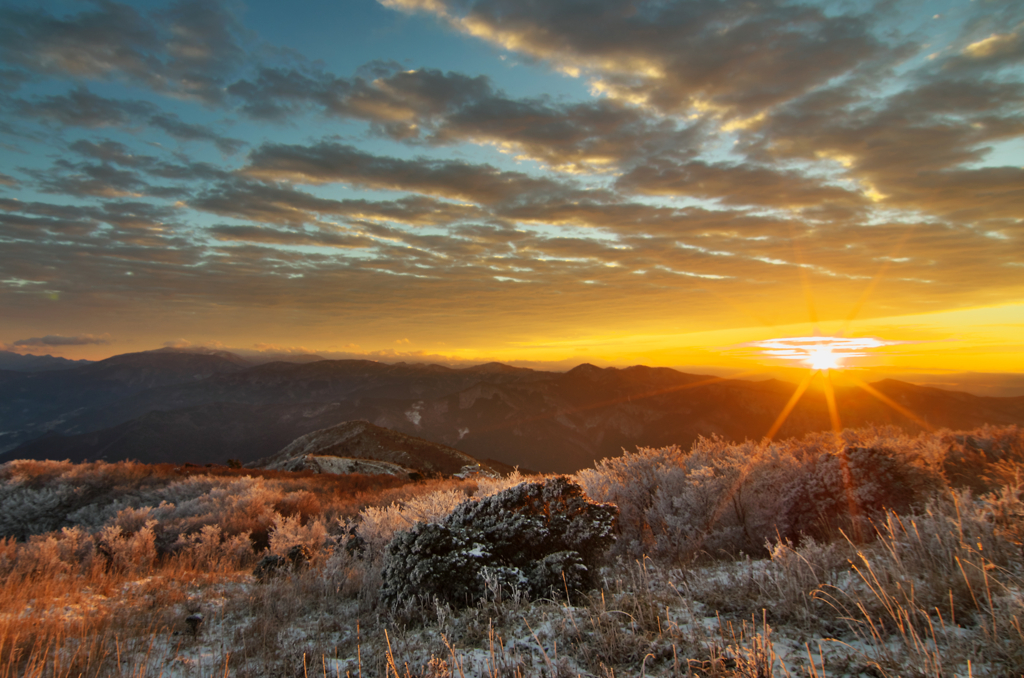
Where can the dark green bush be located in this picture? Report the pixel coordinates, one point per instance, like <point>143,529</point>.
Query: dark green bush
<point>540,538</point>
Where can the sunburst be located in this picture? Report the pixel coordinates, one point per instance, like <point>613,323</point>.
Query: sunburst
<point>818,352</point>
<point>822,355</point>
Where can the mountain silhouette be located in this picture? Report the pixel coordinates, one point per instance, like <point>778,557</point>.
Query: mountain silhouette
<point>208,409</point>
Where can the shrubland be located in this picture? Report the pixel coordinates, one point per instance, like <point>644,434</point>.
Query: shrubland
<point>869,552</point>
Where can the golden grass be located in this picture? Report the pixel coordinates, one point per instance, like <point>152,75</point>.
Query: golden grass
<point>937,592</point>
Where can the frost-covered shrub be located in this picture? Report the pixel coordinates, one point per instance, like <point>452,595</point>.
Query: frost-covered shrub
<point>376,528</point>
<point>432,560</point>
<point>433,507</point>
<point>686,507</point>
<point>560,572</point>
<point>210,548</point>
<point>983,459</point>
<point>68,551</point>
<point>203,547</point>
<point>302,503</point>
<point>486,485</point>
<point>131,552</point>
<point>718,497</point>
<point>289,533</point>
<point>378,525</point>
<point>42,556</point>
<point>1005,510</point>
<point>26,510</point>
<point>525,538</point>
<point>273,564</point>
<point>847,488</point>
<point>270,565</point>
<point>631,482</point>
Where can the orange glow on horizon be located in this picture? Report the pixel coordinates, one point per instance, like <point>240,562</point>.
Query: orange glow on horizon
<point>820,353</point>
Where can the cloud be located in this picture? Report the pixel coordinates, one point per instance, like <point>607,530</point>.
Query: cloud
<point>86,179</point>
<point>732,56</point>
<point>913,150</point>
<point>60,340</point>
<point>202,347</point>
<point>184,131</point>
<point>432,107</point>
<point>112,170</point>
<point>30,220</point>
<point>275,236</point>
<point>283,204</point>
<point>395,101</point>
<point>728,152</point>
<point>64,220</point>
<point>600,135</point>
<point>329,162</point>
<point>82,108</point>
<point>744,184</point>
<point>186,50</point>
<point>193,51</point>
<point>279,349</point>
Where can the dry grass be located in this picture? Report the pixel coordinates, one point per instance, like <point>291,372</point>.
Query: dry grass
<point>936,592</point>
<point>98,622</point>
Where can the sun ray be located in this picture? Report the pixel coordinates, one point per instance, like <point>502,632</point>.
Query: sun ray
<point>790,405</point>
<point>833,411</point>
<point>891,403</point>
<point>737,306</point>
<point>869,290</point>
<point>863,299</point>
<point>837,432</point>
<point>805,282</point>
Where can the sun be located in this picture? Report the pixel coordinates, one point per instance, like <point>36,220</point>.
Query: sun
<point>819,353</point>
<point>822,358</point>
<point>822,355</point>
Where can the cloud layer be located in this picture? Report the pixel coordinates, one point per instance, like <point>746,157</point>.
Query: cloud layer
<point>729,162</point>
<point>58,340</point>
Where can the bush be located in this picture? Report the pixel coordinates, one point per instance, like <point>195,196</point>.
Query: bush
<point>718,497</point>
<point>847,489</point>
<point>542,538</point>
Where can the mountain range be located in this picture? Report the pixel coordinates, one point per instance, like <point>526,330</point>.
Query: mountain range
<point>26,362</point>
<point>170,406</point>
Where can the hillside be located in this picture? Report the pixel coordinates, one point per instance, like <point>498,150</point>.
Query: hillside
<point>725,559</point>
<point>347,447</point>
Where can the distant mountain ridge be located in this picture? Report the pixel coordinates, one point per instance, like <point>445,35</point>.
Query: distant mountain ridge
<point>176,406</point>
<point>247,360</point>
<point>27,362</point>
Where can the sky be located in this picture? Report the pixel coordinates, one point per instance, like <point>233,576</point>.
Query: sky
<point>537,182</point>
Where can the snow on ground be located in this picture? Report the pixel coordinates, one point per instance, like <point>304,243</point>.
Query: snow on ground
<point>343,465</point>
<point>654,624</point>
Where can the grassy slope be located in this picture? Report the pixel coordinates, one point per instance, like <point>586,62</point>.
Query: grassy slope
<point>934,589</point>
